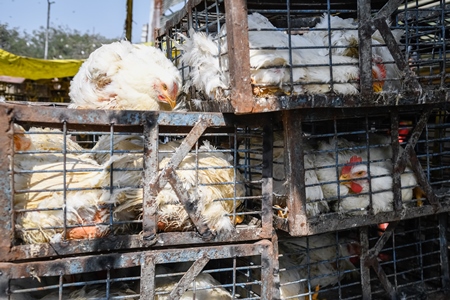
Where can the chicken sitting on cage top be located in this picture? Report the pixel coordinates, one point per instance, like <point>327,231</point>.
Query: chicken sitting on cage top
<point>122,75</point>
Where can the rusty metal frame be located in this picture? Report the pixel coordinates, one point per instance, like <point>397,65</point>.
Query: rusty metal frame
<point>147,260</point>
<point>299,224</point>
<point>150,123</point>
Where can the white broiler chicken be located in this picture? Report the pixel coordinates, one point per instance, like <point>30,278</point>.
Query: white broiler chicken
<point>268,66</point>
<point>318,261</point>
<point>327,160</point>
<point>209,72</point>
<point>207,177</point>
<point>122,75</point>
<point>372,184</point>
<point>46,182</point>
<point>344,41</point>
<point>338,169</point>
<point>288,64</point>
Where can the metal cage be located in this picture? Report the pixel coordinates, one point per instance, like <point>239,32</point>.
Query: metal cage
<point>406,39</point>
<point>342,169</point>
<point>407,261</point>
<point>226,272</point>
<point>81,181</point>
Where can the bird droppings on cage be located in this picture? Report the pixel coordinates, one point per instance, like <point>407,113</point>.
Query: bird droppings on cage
<point>220,272</point>
<point>388,57</point>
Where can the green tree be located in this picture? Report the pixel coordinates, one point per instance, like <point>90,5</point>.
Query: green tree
<point>64,43</point>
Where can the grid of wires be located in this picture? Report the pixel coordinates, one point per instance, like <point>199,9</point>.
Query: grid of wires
<point>320,266</point>
<point>426,27</point>
<point>73,184</point>
<point>349,165</point>
<point>240,275</point>
<point>412,259</point>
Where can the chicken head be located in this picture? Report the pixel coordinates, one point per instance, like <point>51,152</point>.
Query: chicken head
<point>354,174</point>
<point>166,93</point>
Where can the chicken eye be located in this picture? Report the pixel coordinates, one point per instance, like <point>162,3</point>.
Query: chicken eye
<point>164,86</point>
<point>360,173</point>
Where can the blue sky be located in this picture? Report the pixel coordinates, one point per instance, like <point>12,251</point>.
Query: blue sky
<point>105,17</point>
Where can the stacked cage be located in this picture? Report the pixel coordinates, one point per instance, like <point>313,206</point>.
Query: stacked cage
<point>358,96</point>
<point>95,199</point>
<point>225,272</point>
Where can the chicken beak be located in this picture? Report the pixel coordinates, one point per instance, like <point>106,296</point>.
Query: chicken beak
<point>169,99</point>
<point>345,178</point>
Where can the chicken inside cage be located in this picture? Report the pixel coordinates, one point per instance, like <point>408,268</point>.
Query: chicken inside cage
<point>294,50</point>
<point>71,184</point>
<point>320,266</point>
<point>350,164</point>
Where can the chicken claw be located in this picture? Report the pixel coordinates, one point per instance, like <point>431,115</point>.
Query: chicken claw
<point>281,212</point>
<point>419,194</point>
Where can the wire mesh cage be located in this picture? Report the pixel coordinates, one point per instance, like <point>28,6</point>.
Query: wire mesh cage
<point>407,261</point>
<point>219,272</point>
<point>340,169</point>
<point>82,181</point>
<point>256,56</point>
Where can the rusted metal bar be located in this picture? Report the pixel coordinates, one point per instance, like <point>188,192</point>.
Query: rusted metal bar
<point>159,181</point>
<point>188,278</point>
<point>239,55</point>
<point>423,182</point>
<point>371,259</point>
<point>148,277</point>
<point>388,287</point>
<point>276,268</point>
<point>268,261</point>
<point>365,31</point>
<point>95,263</point>
<point>295,172</point>
<point>396,176</point>
<point>373,253</point>
<point>388,9</point>
<point>443,227</point>
<point>412,85</point>
<point>267,181</point>
<point>190,205</point>
<point>6,194</point>
<point>151,163</point>
<point>364,269</point>
<point>121,242</point>
<point>409,155</point>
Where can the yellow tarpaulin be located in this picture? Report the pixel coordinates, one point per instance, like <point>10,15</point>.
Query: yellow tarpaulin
<point>34,68</point>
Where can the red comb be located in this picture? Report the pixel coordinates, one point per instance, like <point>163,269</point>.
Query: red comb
<point>348,167</point>
<point>355,159</point>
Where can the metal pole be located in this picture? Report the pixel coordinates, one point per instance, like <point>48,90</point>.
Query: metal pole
<point>129,20</point>
<point>48,26</point>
